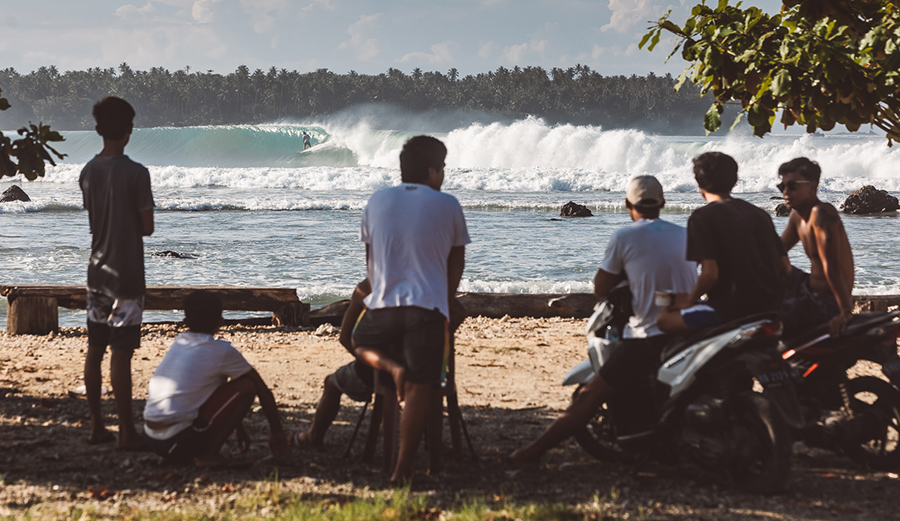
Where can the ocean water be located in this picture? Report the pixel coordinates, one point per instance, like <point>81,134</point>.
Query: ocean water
<point>255,211</point>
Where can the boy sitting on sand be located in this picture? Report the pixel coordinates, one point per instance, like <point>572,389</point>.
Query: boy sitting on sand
<point>202,390</point>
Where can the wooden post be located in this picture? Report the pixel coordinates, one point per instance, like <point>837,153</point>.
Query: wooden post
<point>292,314</point>
<point>32,316</point>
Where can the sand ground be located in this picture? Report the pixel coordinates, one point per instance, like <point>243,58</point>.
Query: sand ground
<point>508,374</point>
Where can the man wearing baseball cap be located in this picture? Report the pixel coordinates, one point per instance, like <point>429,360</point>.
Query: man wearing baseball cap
<point>650,254</point>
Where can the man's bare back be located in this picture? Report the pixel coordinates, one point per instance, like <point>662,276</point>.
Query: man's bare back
<point>817,225</point>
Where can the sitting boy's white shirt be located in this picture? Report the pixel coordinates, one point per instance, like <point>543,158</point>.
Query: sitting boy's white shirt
<point>194,367</point>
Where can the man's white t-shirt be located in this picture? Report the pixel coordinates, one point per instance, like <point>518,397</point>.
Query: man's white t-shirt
<point>194,367</point>
<point>410,230</point>
<point>651,253</point>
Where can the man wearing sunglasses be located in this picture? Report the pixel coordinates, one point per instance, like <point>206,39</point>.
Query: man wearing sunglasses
<point>823,294</point>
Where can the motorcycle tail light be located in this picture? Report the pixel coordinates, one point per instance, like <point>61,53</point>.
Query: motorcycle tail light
<point>810,370</point>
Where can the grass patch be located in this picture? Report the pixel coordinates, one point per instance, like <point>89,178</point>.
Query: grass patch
<point>399,505</point>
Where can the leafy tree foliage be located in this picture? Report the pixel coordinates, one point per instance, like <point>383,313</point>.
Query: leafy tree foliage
<point>576,95</point>
<point>31,150</point>
<point>818,62</point>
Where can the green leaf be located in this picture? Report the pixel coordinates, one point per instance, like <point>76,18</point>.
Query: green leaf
<point>713,118</point>
<point>737,120</point>
<point>781,85</point>
<point>4,104</point>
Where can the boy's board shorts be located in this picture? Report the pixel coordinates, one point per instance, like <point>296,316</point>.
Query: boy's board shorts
<point>805,308</point>
<point>356,380</point>
<point>184,446</point>
<point>417,338</point>
<point>114,322</point>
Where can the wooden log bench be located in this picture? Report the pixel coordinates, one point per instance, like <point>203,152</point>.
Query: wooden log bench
<point>34,309</point>
<point>568,305</point>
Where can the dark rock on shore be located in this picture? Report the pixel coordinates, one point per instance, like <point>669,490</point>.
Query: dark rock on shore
<point>782,210</point>
<point>172,254</point>
<point>870,200</point>
<point>573,209</point>
<point>14,193</point>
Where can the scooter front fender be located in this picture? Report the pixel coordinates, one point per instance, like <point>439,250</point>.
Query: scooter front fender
<point>580,374</point>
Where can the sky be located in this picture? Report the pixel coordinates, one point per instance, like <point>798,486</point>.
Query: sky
<point>368,37</point>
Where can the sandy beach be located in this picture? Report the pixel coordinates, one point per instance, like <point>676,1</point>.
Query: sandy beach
<point>509,374</point>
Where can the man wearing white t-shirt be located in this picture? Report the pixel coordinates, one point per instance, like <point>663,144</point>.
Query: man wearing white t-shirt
<point>415,240</point>
<point>650,254</point>
<point>202,390</point>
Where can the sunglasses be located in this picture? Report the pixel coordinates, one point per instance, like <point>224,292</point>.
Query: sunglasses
<point>790,185</point>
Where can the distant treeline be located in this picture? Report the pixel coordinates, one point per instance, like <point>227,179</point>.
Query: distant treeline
<point>575,95</point>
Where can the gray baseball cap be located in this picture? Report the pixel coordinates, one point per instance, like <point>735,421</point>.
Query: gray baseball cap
<point>645,190</point>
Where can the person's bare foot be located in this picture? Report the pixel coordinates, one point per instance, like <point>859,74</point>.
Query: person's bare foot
<point>304,439</point>
<point>101,436</point>
<point>520,458</point>
<point>399,375</point>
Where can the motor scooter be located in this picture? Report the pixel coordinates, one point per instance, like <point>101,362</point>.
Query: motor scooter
<point>859,416</point>
<point>722,399</point>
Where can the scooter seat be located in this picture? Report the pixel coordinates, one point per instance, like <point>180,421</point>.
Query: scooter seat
<point>681,342</point>
<point>858,323</point>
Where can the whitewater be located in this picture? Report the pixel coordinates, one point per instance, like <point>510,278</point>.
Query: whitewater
<point>256,211</point>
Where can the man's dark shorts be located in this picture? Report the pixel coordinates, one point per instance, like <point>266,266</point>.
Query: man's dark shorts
<point>633,362</point>
<point>417,338</point>
<point>805,308</point>
<point>355,380</point>
<point>114,322</point>
<point>185,446</point>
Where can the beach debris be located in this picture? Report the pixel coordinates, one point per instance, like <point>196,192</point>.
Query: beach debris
<point>870,200</point>
<point>327,330</point>
<point>172,254</point>
<point>782,210</point>
<point>14,193</point>
<point>573,209</point>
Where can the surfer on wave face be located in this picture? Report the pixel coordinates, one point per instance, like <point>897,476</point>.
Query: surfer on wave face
<point>306,142</point>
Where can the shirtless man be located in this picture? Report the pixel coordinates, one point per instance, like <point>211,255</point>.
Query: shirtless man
<point>823,295</point>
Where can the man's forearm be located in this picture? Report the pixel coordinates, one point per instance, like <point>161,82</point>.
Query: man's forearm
<point>456,263</point>
<point>269,407</point>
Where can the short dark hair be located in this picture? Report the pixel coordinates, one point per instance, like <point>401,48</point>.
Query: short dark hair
<point>715,172</point>
<point>202,311</point>
<point>418,155</point>
<point>650,212</point>
<point>114,117</point>
<point>810,170</point>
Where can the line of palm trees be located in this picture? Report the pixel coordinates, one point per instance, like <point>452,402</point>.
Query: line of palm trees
<point>184,97</point>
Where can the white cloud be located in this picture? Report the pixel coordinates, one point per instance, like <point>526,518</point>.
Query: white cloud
<point>516,53</point>
<point>203,10</point>
<point>129,11</point>
<point>265,14</point>
<point>485,51</point>
<point>628,13</point>
<point>324,4</point>
<point>440,53</point>
<point>366,48</point>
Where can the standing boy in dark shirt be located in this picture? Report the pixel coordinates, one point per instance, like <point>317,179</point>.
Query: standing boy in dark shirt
<point>117,196</point>
<point>742,261</point>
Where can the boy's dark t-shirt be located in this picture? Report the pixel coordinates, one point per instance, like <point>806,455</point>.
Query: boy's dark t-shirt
<point>742,240</point>
<point>115,190</point>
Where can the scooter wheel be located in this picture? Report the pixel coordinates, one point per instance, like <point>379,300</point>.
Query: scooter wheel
<point>872,436</point>
<point>598,437</point>
<point>763,442</point>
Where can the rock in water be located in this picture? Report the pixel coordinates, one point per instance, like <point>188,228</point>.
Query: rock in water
<point>573,209</point>
<point>14,193</point>
<point>782,210</point>
<point>869,200</point>
<point>173,254</point>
